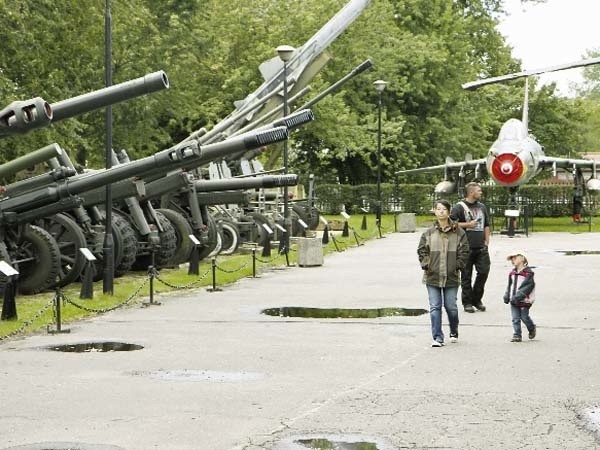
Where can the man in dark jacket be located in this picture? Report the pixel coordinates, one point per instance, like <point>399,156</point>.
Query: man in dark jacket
<point>473,217</point>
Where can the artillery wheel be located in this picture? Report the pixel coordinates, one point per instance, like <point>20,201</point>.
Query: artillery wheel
<point>168,246</point>
<point>183,229</point>
<point>125,244</point>
<point>213,238</point>
<point>230,235</point>
<point>70,238</point>
<point>38,260</point>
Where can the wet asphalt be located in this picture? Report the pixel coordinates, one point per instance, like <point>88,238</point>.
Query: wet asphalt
<point>215,373</point>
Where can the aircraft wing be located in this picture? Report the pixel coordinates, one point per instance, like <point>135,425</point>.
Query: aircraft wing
<point>467,164</point>
<point>566,163</point>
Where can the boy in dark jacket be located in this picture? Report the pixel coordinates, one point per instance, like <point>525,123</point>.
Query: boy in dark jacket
<point>520,293</point>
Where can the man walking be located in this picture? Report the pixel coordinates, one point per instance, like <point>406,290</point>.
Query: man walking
<point>473,216</point>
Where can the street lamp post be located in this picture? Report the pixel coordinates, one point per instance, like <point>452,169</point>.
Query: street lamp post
<point>285,53</point>
<point>380,86</point>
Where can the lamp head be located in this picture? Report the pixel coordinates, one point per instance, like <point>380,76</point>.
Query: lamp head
<point>380,85</point>
<point>285,52</point>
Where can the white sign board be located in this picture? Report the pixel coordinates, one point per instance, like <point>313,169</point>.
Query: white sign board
<point>345,215</point>
<point>511,212</point>
<point>267,228</point>
<point>194,239</point>
<point>87,254</point>
<point>324,220</point>
<point>7,269</point>
<point>280,228</point>
<point>303,224</point>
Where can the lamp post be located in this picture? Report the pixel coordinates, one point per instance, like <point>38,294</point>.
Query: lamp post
<point>285,53</point>
<point>380,86</point>
<point>108,245</point>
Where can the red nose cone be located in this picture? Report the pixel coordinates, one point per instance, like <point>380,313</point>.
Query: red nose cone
<point>507,168</point>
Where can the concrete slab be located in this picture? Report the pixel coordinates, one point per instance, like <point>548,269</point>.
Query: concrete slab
<point>216,374</point>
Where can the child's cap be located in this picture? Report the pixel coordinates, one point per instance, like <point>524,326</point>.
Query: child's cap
<point>516,253</point>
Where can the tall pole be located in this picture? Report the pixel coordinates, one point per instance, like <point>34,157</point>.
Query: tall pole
<point>108,245</point>
<point>380,86</point>
<point>285,53</point>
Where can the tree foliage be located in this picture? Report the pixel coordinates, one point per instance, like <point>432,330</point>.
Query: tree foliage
<point>211,50</point>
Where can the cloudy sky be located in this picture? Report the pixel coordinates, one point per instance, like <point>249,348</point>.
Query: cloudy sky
<point>553,33</point>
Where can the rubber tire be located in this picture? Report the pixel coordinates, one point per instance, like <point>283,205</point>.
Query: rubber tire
<point>230,236</point>
<point>183,229</point>
<point>168,246</point>
<point>70,238</point>
<point>213,238</point>
<point>125,249</point>
<point>41,273</point>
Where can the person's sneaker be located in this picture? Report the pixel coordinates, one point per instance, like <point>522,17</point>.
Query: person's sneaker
<point>435,343</point>
<point>454,338</point>
<point>469,309</point>
<point>480,307</point>
<point>533,332</point>
<point>516,338</point>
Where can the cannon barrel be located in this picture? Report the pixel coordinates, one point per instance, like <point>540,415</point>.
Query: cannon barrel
<point>8,169</point>
<point>109,95</point>
<point>223,198</point>
<point>167,160</point>
<point>230,184</point>
<point>22,116</point>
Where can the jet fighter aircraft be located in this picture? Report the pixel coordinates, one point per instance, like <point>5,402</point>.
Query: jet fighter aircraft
<point>515,157</point>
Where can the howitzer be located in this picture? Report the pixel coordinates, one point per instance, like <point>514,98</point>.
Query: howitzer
<point>64,196</point>
<point>23,116</point>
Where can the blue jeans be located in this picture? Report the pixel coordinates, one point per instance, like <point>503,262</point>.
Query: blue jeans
<point>521,314</point>
<point>447,296</point>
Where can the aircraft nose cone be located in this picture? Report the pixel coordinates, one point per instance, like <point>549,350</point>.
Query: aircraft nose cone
<point>506,168</point>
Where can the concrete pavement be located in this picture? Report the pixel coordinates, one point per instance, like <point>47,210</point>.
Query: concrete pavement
<point>216,374</point>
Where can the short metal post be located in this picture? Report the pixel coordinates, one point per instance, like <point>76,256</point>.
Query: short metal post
<point>214,275</point>
<point>253,263</point>
<point>151,274</point>
<point>57,308</point>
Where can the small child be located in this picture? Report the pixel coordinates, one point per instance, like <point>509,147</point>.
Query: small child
<point>520,293</point>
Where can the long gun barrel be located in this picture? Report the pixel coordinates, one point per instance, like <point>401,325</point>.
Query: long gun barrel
<point>43,154</point>
<point>230,184</point>
<point>171,159</point>
<point>23,116</point>
<point>109,95</point>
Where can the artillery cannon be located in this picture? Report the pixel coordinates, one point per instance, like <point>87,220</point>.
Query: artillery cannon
<point>23,116</point>
<point>42,266</point>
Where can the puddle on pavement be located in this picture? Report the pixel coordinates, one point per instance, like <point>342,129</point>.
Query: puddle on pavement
<point>333,442</point>
<point>326,444</point>
<point>88,347</point>
<point>579,252</point>
<point>341,313</point>
<point>201,375</point>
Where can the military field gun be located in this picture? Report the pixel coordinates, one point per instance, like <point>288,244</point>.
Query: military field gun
<point>42,263</point>
<point>23,116</point>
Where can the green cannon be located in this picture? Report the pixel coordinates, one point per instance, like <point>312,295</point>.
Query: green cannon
<point>23,116</point>
<point>43,262</point>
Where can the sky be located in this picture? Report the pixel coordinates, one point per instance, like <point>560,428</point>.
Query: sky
<point>553,33</point>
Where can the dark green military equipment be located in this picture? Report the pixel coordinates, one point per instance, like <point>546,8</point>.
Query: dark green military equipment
<point>42,266</point>
<point>23,116</point>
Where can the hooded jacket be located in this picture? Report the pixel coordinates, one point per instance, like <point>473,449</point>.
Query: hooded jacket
<point>521,288</point>
<point>442,254</point>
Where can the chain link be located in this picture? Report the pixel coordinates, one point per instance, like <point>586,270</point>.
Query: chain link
<point>123,303</point>
<point>183,286</point>
<point>30,321</point>
<point>242,267</point>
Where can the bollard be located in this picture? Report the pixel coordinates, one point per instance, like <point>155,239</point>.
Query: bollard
<point>57,298</point>
<point>267,246</point>
<point>213,262</point>
<point>87,281</point>
<point>194,262</point>
<point>253,263</point>
<point>345,231</point>
<point>363,225</point>
<point>9,306</point>
<point>325,238</point>
<point>151,274</point>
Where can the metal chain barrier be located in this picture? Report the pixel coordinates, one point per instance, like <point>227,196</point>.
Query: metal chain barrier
<point>269,260</point>
<point>242,267</point>
<point>123,303</point>
<point>190,285</point>
<point>30,321</point>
